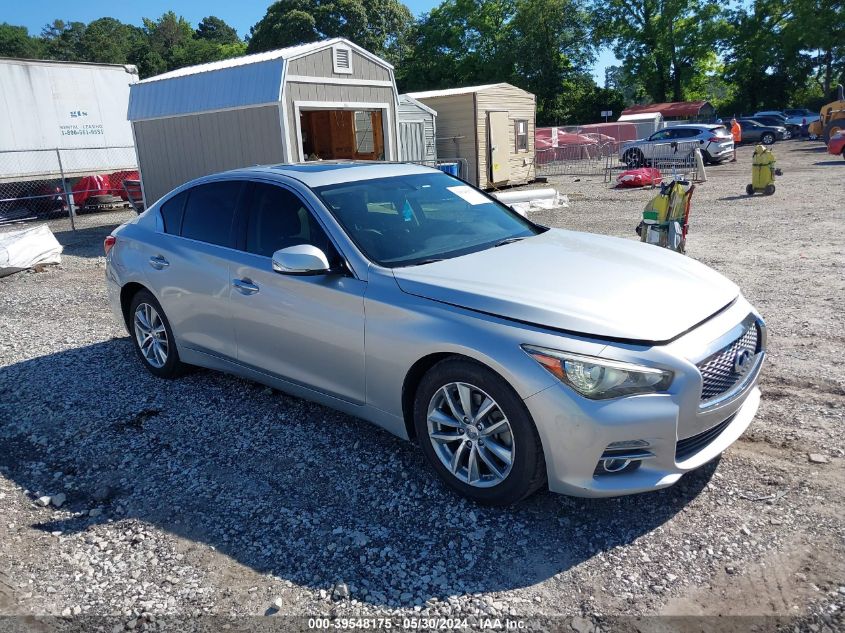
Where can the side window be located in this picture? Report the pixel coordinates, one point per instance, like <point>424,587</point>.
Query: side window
<point>171,213</point>
<point>521,129</point>
<point>277,218</point>
<point>210,211</point>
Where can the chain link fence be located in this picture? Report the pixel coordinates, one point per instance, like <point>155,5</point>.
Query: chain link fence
<point>72,189</point>
<point>582,159</point>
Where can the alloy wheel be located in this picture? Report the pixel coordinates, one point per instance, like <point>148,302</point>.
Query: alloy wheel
<point>470,434</point>
<point>151,335</point>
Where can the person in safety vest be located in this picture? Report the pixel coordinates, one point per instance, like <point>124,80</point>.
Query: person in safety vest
<point>736,132</point>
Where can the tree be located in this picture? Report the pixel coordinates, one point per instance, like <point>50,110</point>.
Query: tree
<point>15,41</point>
<point>108,41</point>
<point>542,46</point>
<point>63,40</point>
<point>380,26</point>
<point>666,44</point>
<point>215,30</point>
<point>820,26</point>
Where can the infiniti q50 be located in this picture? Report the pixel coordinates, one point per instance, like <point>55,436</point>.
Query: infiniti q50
<point>515,355</point>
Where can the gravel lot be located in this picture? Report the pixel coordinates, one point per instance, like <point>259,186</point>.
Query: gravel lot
<point>215,495</point>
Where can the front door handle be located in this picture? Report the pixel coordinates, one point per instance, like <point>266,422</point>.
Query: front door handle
<point>245,286</point>
<point>158,262</point>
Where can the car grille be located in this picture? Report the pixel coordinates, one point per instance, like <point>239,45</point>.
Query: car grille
<point>690,446</point>
<point>717,371</point>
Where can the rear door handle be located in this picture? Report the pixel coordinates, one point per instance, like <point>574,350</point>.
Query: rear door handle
<point>245,286</point>
<point>158,262</point>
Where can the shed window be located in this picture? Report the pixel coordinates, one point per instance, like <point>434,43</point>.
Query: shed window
<point>342,58</point>
<point>521,135</point>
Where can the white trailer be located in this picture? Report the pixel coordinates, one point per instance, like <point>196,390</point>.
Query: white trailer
<point>64,117</point>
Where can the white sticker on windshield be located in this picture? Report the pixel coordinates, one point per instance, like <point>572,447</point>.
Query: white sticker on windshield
<point>469,194</point>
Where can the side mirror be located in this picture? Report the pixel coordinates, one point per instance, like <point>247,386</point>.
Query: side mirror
<point>302,259</point>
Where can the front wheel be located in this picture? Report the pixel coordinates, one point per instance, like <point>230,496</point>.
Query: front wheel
<point>749,189</point>
<point>633,158</point>
<point>477,434</point>
<point>767,139</point>
<point>769,190</point>
<point>152,336</point>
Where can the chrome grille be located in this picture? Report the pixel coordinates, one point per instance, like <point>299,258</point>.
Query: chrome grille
<point>718,373</point>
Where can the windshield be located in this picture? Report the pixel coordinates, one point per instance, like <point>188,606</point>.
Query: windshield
<point>419,218</point>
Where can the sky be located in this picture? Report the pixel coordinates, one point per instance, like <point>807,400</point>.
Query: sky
<point>241,14</point>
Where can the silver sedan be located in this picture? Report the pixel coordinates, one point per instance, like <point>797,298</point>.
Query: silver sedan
<point>517,356</point>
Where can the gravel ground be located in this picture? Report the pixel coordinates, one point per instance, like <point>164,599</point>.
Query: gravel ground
<point>139,499</point>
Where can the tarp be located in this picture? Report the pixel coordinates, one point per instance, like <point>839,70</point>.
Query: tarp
<point>20,250</point>
<point>639,177</point>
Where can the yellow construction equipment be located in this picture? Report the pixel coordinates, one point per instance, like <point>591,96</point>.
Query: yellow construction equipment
<point>762,172</point>
<point>831,118</point>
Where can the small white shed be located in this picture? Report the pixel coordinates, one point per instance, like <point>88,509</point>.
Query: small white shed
<point>491,127</point>
<point>323,100</point>
<point>417,131</point>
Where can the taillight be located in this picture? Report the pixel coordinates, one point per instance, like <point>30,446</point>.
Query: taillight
<point>108,243</point>
<point>718,139</point>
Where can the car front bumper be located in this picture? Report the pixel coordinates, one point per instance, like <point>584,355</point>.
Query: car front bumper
<point>676,433</point>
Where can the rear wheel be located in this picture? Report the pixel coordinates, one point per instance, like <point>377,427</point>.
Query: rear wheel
<point>477,434</point>
<point>767,139</point>
<point>769,190</point>
<point>633,158</point>
<point>152,336</point>
<point>749,189</point>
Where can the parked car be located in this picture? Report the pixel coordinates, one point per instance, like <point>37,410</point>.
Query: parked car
<point>779,121</point>
<point>836,145</point>
<point>754,132</point>
<point>714,140</point>
<point>796,116</point>
<point>516,355</point>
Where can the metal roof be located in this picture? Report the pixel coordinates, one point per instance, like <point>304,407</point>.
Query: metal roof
<point>455,91</point>
<point>671,109</point>
<point>406,98</point>
<point>227,84</point>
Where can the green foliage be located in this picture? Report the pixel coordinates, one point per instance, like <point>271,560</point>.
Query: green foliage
<point>542,46</point>
<point>380,26</point>
<point>214,29</point>
<point>15,41</point>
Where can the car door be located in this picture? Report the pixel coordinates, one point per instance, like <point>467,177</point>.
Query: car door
<point>189,265</point>
<point>306,329</point>
<point>659,145</point>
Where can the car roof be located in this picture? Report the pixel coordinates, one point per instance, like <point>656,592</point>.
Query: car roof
<point>329,172</point>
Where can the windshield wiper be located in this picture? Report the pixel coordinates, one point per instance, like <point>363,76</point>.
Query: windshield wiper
<point>509,240</point>
<point>426,261</point>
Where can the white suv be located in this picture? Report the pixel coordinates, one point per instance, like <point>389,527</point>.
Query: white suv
<point>715,142</point>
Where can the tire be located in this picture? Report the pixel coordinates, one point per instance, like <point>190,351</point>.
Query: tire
<point>832,128</point>
<point>633,158</point>
<point>749,189</point>
<point>512,434</point>
<point>769,190</point>
<point>767,139</point>
<point>708,160</point>
<point>147,322</point>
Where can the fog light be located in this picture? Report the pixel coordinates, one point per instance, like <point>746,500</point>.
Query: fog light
<point>615,465</point>
<point>615,446</point>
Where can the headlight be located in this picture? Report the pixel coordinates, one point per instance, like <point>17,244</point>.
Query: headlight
<point>598,378</point>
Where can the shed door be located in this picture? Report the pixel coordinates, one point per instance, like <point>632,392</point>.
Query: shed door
<point>411,141</point>
<point>498,153</point>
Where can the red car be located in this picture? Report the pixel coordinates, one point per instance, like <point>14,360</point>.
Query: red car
<point>836,145</point>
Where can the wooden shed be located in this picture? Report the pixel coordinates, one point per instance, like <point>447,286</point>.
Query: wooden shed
<point>323,100</point>
<point>491,127</point>
<point>417,131</point>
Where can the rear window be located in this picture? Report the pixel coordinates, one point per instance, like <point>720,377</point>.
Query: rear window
<point>171,213</point>
<point>210,212</point>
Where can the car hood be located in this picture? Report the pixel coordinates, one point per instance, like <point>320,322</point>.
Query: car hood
<point>579,282</point>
